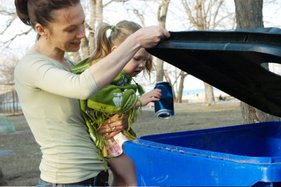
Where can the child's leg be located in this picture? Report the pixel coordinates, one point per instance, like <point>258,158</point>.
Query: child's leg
<point>123,170</point>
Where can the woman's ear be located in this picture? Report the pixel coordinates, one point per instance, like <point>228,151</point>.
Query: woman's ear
<point>40,30</point>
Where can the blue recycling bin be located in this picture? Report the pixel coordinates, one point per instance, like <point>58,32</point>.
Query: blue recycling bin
<point>240,155</point>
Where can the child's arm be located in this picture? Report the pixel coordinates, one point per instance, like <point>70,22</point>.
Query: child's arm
<point>153,95</point>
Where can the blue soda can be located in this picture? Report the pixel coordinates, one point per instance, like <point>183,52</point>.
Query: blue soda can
<point>164,108</point>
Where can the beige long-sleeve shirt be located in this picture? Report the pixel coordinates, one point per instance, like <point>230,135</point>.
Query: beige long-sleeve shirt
<point>49,95</point>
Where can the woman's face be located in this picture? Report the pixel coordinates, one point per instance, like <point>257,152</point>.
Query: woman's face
<point>66,32</point>
<point>137,63</point>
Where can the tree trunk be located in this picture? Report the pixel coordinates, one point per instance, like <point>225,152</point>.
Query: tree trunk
<point>202,24</point>
<point>161,15</point>
<point>159,70</point>
<point>181,87</point>
<point>96,17</point>
<point>203,14</point>
<point>209,94</point>
<point>92,25</point>
<point>84,48</point>
<point>249,16</point>
<point>167,77</point>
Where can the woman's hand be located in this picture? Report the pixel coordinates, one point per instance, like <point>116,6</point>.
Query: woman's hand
<point>113,126</point>
<point>153,95</point>
<point>149,37</point>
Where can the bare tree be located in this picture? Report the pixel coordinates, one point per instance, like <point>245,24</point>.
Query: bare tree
<point>96,18</point>
<point>9,22</point>
<point>249,16</point>
<point>7,70</point>
<point>205,17</point>
<point>9,17</point>
<point>161,16</point>
<point>160,72</point>
<point>182,76</point>
<point>87,44</point>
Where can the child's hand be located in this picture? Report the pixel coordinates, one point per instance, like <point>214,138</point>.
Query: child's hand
<point>153,95</point>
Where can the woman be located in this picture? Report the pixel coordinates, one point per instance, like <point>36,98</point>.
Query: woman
<point>49,92</point>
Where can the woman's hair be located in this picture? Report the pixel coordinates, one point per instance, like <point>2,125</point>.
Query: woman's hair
<point>118,33</point>
<point>40,11</point>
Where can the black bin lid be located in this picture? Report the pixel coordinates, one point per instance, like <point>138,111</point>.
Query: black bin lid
<point>230,61</point>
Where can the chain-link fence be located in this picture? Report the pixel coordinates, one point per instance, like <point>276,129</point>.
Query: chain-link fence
<point>9,103</point>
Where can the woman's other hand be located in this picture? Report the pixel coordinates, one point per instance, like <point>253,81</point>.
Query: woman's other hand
<point>113,126</point>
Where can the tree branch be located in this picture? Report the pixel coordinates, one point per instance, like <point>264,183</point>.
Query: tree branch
<point>188,12</point>
<point>5,12</point>
<point>220,3</point>
<point>7,25</point>
<point>8,42</point>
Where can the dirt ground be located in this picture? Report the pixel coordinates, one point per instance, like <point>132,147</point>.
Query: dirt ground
<point>20,164</point>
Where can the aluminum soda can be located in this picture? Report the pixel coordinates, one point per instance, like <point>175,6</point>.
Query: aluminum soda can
<point>164,108</point>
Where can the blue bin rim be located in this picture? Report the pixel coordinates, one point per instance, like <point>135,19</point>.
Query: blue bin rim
<point>211,154</point>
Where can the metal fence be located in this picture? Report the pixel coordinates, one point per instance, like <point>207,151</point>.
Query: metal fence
<point>9,103</point>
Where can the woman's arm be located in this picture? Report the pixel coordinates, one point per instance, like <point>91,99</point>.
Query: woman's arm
<point>106,69</point>
<point>40,72</point>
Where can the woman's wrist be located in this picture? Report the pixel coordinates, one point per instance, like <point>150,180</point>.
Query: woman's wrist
<point>135,40</point>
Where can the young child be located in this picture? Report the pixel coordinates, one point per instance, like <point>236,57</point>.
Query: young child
<point>118,99</point>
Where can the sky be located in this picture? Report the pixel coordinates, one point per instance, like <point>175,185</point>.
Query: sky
<point>176,21</point>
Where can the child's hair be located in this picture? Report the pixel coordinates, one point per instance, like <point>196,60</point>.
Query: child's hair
<point>118,33</point>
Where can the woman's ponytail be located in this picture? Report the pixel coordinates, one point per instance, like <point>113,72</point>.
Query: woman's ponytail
<point>22,11</point>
